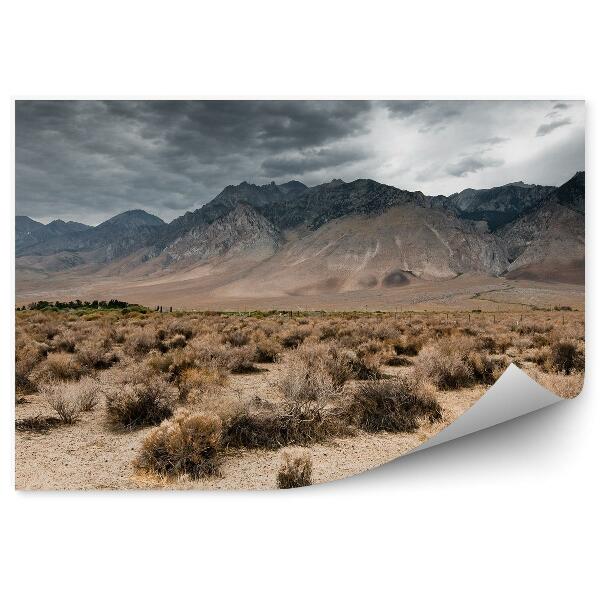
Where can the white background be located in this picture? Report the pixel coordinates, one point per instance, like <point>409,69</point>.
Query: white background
<point>507,513</point>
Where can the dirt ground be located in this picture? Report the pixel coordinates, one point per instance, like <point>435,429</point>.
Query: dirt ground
<point>91,455</point>
<point>466,292</point>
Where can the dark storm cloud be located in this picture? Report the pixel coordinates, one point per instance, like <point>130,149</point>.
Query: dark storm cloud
<point>430,114</point>
<point>472,164</point>
<point>546,128</point>
<point>91,159</point>
<point>311,160</point>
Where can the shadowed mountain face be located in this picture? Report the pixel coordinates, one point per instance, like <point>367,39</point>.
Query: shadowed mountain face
<point>117,237</point>
<point>496,206</point>
<point>29,232</point>
<point>338,236</point>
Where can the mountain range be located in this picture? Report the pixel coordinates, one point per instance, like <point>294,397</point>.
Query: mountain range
<point>335,237</point>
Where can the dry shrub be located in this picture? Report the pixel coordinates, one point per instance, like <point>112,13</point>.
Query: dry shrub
<point>295,470</point>
<point>64,400</point>
<point>405,346</point>
<point>93,356</point>
<point>28,354</point>
<point>141,341</point>
<point>309,413</point>
<point>195,382</point>
<point>188,443</point>
<point>236,338</point>
<point>565,357</point>
<point>485,368</point>
<point>240,360</point>
<point>444,367</point>
<point>64,342</point>
<point>87,391</point>
<point>398,361</point>
<point>177,341</point>
<point>392,405</point>
<point>137,397</point>
<point>295,337</point>
<point>339,363</point>
<point>60,365</point>
<point>455,362</point>
<point>268,349</point>
<point>179,327</point>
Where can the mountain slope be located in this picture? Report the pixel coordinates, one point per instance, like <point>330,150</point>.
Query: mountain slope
<point>548,242</point>
<point>241,232</point>
<point>363,251</point>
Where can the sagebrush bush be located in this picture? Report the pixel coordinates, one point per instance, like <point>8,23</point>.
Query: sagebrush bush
<point>295,470</point>
<point>63,399</point>
<point>405,346</point>
<point>93,355</point>
<point>392,405</point>
<point>240,360</point>
<point>293,338</point>
<point>303,417</point>
<point>188,443</point>
<point>268,350</point>
<point>195,382</point>
<point>141,341</point>
<point>87,391</point>
<point>565,357</point>
<point>444,367</point>
<point>138,397</point>
<point>236,338</point>
<point>60,365</point>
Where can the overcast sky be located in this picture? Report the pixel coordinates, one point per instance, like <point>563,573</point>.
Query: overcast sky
<point>89,160</point>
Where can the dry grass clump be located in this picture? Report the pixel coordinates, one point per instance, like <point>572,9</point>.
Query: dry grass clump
<point>87,391</point>
<point>194,383</point>
<point>188,443</point>
<point>64,342</point>
<point>177,341</point>
<point>138,397</point>
<point>69,399</point>
<point>393,405</point>
<point>444,366</point>
<point>339,363</point>
<point>564,386</point>
<point>60,365</point>
<point>141,341</point>
<point>453,363</point>
<point>295,470</point>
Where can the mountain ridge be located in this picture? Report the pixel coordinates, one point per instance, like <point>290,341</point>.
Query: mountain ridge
<point>376,232</point>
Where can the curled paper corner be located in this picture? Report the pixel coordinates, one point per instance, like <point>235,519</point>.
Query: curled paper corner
<point>514,394</point>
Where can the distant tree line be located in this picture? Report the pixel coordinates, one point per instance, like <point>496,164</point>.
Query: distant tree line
<point>112,304</point>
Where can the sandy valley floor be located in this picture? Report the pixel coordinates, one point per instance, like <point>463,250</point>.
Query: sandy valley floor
<point>91,455</point>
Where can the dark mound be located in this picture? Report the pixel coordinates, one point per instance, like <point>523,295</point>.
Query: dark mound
<point>396,279</point>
